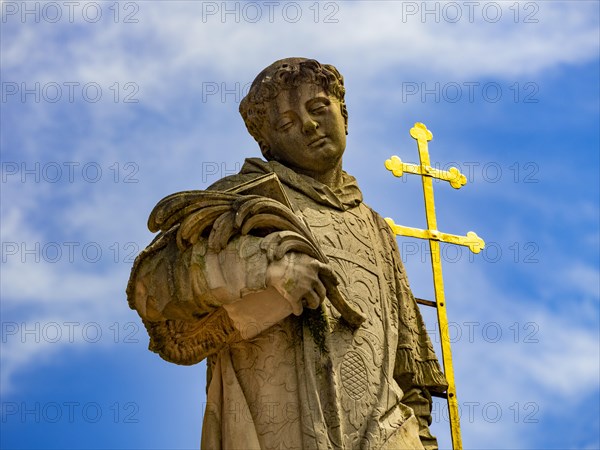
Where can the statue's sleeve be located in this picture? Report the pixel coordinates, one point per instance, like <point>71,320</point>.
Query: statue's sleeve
<point>416,370</point>
<point>180,292</point>
<point>213,249</point>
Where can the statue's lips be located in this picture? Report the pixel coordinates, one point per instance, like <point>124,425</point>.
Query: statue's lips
<point>318,141</point>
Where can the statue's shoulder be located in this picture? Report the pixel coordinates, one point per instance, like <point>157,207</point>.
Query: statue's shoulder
<point>378,219</point>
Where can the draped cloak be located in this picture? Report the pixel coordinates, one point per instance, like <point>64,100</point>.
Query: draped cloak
<point>309,381</point>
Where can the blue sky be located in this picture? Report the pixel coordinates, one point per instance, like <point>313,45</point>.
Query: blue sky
<point>107,107</point>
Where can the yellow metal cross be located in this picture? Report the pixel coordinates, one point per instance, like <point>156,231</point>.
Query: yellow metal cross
<point>471,240</point>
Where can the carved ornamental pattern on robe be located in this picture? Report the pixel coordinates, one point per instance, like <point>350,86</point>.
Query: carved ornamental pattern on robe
<point>363,364</point>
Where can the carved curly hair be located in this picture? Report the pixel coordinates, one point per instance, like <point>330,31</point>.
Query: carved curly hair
<point>282,75</point>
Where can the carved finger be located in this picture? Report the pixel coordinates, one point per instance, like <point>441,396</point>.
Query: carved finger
<point>296,305</point>
<point>320,289</point>
<point>326,272</point>
<point>311,300</point>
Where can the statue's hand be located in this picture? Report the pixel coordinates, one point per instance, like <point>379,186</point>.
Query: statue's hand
<point>292,283</point>
<point>296,278</point>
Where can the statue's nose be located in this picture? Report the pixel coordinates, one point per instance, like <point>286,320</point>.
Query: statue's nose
<point>309,126</point>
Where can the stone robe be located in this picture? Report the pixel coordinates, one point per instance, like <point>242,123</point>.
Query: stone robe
<point>307,382</point>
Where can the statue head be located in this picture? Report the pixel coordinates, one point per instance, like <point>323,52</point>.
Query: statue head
<point>282,75</point>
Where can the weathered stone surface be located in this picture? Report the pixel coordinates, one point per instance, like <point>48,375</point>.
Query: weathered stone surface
<point>291,287</point>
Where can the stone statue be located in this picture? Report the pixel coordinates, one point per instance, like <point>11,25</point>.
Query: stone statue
<point>291,287</point>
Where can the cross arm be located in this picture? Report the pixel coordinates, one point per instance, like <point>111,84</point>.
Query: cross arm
<point>471,240</point>
<point>452,175</point>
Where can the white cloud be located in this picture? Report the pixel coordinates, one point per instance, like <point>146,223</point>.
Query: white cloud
<point>171,38</point>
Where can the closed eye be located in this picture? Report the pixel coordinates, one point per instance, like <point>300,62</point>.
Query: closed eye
<point>318,109</point>
<point>285,126</point>
<point>319,105</point>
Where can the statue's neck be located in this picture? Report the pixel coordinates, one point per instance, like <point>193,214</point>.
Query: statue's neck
<point>331,178</point>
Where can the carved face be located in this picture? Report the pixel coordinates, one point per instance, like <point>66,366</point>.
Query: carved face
<point>305,130</point>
